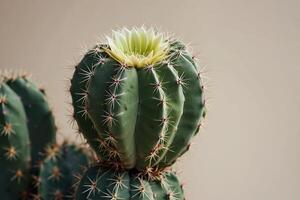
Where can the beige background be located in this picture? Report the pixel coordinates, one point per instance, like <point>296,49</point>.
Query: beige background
<point>249,149</point>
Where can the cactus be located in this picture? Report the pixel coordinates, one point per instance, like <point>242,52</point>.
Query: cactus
<point>138,100</point>
<point>14,145</point>
<point>59,174</point>
<point>40,120</point>
<point>106,184</point>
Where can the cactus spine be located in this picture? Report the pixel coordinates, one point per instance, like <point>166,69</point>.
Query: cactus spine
<point>138,100</point>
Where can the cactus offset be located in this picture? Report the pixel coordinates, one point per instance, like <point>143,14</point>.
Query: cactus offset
<point>59,174</point>
<point>40,120</point>
<point>138,100</point>
<point>14,145</point>
<point>106,184</point>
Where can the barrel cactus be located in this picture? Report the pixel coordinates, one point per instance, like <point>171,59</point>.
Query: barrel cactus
<point>14,145</point>
<point>138,99</point>
<point>58,176</point>
<point>99,183</point>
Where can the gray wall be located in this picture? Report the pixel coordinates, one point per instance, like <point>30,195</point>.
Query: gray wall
<point>249,148</point>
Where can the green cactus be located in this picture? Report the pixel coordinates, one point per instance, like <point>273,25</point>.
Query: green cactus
<point>14,145</point>
<point>40,120</point>
<point>106,184</point>
<point>138,100</point>
<point>59,174</point>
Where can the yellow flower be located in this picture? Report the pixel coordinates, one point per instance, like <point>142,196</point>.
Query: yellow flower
<point>137,47</point>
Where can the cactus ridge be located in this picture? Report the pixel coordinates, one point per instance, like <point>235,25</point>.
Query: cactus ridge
<point>40,119</point>
<point>79,84</point>
<point>14,145</point>
<point>27,133</point>
<point>107,184</point>
<point>138,117</point>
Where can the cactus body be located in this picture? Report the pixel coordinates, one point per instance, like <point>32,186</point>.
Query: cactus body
<point>106,184</point>
<point>14,145</point>
<point>58,175</point>
<point>40,120</point>
<point>141,113</point>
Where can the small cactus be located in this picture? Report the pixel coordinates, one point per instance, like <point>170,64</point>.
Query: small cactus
<point>28,131</point>
<point>14,145</point>
<point>99,183</point>
<point>40,119</point>
<point>138,100</point>
<point>59,174</point>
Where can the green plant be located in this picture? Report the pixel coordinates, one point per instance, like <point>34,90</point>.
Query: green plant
<point>14,145</point>
<point>138,100</point>
<point>29,131</point>
<point>39,117</point>
<point>106,184</point>
<point>59,174</point>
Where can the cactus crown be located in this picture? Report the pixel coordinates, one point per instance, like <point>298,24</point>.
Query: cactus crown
<point>137,47</point>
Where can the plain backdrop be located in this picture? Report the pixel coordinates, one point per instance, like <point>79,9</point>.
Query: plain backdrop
<point>249,50</point>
